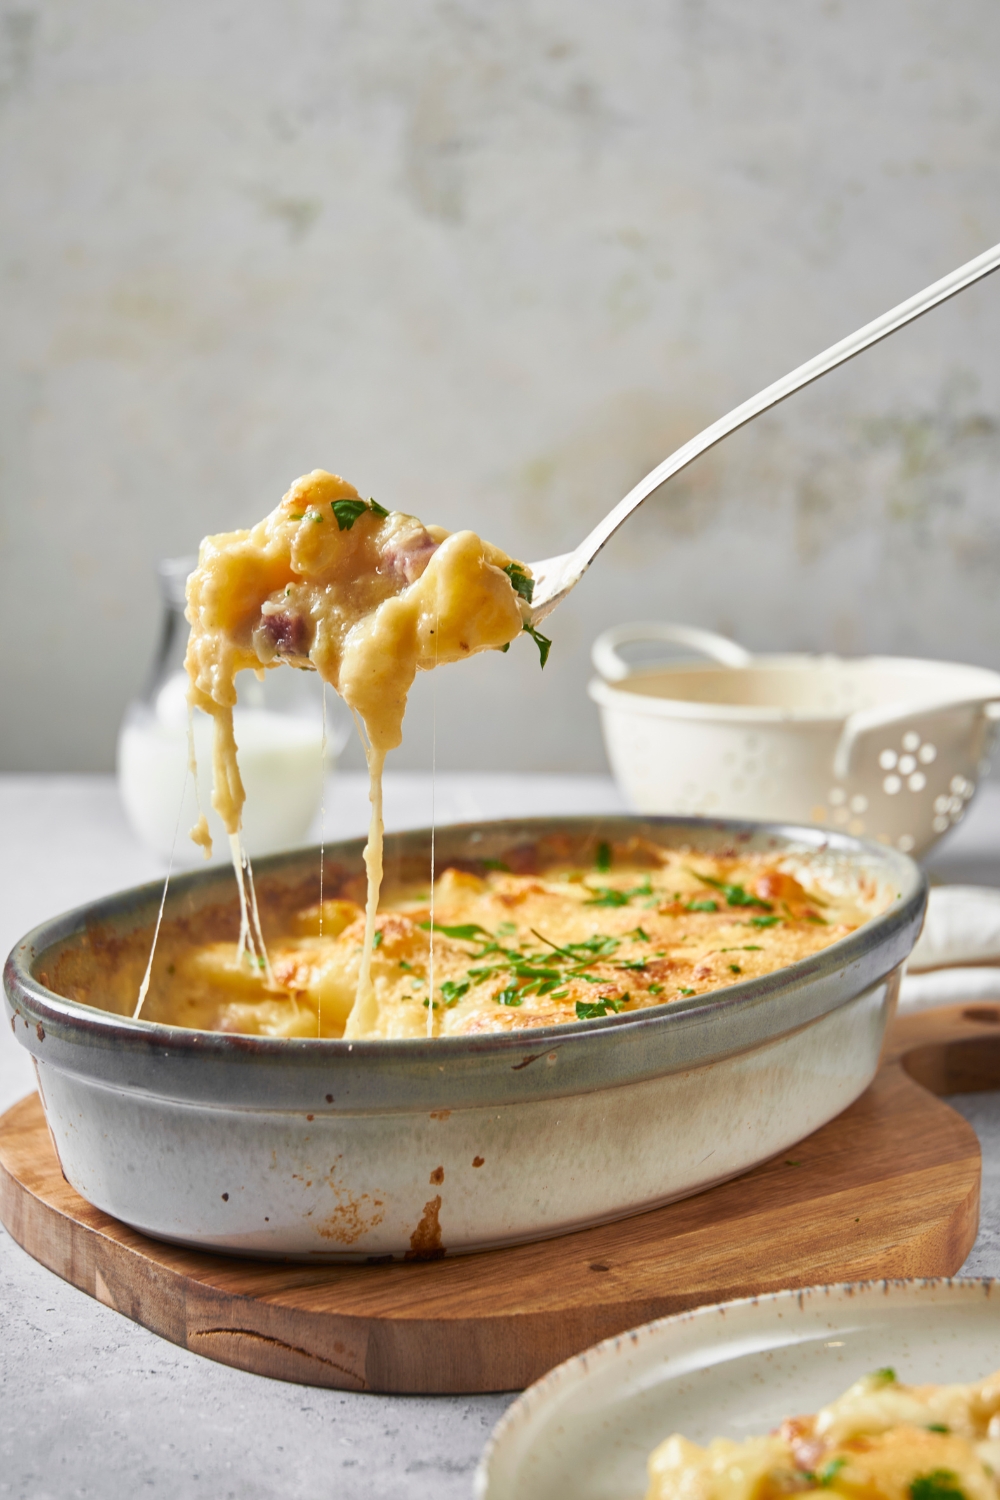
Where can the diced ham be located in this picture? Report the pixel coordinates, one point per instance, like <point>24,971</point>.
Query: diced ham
<point>285,631</point>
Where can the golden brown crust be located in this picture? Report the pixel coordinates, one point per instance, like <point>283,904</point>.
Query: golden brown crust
<point>517,952</point>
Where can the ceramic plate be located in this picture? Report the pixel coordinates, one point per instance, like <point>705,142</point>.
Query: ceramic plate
<point>733,1369</point>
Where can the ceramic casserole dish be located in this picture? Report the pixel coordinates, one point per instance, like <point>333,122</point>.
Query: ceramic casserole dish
<point>333,1150</point>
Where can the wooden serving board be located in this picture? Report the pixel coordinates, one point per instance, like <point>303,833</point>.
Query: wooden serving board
<point>890,1188</point>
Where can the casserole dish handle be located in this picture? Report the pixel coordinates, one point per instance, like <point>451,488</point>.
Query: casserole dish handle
<point>613,668</point>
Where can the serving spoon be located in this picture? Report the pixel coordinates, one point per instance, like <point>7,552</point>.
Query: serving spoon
<point>555,576</point>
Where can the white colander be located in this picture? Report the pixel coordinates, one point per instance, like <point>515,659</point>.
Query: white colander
<point>885,747</point>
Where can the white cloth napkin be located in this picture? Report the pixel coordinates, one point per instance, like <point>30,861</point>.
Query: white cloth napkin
<point>960,941</point>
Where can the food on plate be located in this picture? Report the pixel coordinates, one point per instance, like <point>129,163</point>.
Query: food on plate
<point>364,595</point>
<point>880,1440</point>
<point>511,949</point>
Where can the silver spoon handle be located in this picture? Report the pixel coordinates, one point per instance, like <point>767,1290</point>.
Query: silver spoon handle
<point>836,355</point>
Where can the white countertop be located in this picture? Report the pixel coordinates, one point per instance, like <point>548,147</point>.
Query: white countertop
<point>98,1407</point>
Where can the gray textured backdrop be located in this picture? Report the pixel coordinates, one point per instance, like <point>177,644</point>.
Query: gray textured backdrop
<point>492,262</point>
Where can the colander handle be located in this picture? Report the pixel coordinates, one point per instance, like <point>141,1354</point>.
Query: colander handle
<point>869,720</point>
<point>612,667</point>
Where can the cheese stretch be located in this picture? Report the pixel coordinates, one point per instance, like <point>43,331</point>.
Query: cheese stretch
<point>880,1440</point>
<point>367,597</point>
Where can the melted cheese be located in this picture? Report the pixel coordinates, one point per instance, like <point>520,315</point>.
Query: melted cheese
<point>365,596</point>
<point>881,1440</point>
<point>514,951</point>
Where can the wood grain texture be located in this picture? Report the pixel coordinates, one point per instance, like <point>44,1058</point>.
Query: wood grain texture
<point>889,1188</point>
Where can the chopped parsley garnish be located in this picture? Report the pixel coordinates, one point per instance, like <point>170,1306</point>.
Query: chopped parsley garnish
<point>497,864</point>
<point>452,991</point>
<point>814,916</point>
<point>684,989</point>
<point>554,946</point>
<point>504,929</point>
<point>829,1471</point>
<point>601,945</point>
<point>702,906</point>
<point>508,996</point>
<point>938,1427</point>
<point>521,583</point>
<point>377,940</point>
<point>656,989</point>
<point>885,1376</point>
<point>543,642</point>
<point>467,932</point>
<point>736,895</point>
<point>602,858</point>
<point>376,509</point>
<point>591,1010</point>
<point>639,935</point>
<point>735,969</point>
<point>939,1484</point>
<point>404,965</point>
<point>609,895</point>
<point>347,512</point>
<point>632,963</point>
<point>763,921</point>
<point>315,515</point>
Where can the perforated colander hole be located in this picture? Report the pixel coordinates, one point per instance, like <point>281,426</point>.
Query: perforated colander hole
<point>904,769</point>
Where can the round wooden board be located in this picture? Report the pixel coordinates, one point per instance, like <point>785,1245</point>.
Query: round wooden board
<point>890,1188</point>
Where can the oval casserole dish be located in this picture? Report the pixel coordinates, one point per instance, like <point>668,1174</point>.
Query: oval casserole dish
<point>332,1150</point>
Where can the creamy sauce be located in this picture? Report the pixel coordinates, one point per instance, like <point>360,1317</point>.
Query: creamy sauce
<point>880,1440</point>
<point>642,926</point>
<point>365,596</point>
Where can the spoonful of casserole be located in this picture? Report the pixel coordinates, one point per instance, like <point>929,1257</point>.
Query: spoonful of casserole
<point>365,596</point>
